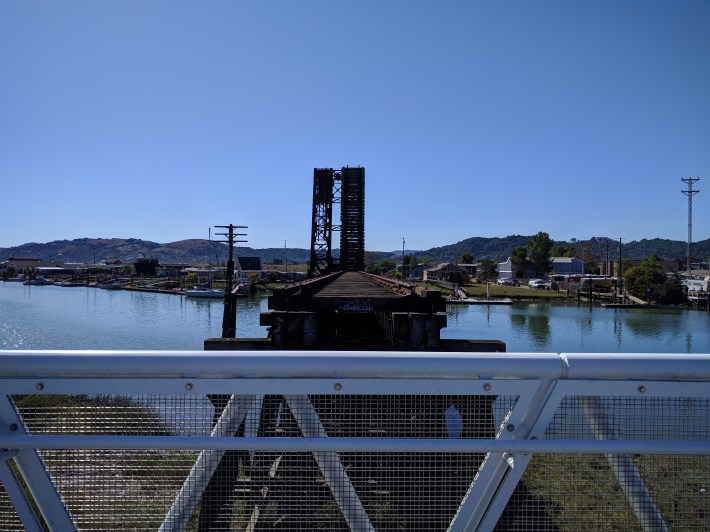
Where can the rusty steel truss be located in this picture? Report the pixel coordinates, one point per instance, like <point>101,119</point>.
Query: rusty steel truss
<point>345,188</point>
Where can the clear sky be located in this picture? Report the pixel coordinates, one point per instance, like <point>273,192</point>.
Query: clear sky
<point>157,119</point>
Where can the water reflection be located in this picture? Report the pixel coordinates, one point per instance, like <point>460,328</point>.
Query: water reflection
<point>642,327</point>
<point>618,331</point>
<point>50,317</point>
<point>536,328</point>
<point>202,307</point>
<point>539,327</point>
<point>580,329</point>
<point>518,320</point>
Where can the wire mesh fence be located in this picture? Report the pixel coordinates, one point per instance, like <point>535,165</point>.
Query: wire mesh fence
<point>109,489</point>
<point>423,483</point>
<point>620,492</point>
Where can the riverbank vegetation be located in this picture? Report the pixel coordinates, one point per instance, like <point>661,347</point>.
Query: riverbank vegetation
<point>648,282</point>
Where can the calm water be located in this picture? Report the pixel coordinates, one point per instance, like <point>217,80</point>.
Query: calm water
<point>580,329</point>
<point>52,317</point>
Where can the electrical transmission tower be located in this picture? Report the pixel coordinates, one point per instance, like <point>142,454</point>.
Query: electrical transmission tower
<point>690,193</point>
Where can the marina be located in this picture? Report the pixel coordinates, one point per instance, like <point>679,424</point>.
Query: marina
<point>52,317</point>
<point>450,387</point>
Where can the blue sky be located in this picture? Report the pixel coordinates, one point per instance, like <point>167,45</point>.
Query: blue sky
<point>158,119</point>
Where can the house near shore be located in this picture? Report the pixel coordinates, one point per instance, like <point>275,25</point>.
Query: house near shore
<point>247,264</point>
<point>697,285</point>
<point>470,269</point>
<point>25,264</point>
<point>446,271</point>
<point>558,266</point>
<point>505,269</point>
<point>567,266</point>
<point>416,273</point>
<point>146,266</point>
<point>170,270</point>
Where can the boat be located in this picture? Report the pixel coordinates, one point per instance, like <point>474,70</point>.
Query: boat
<point>204,290</point>
<point>19,279</point>
<point>67,284</point>
<point>243,289</point>
<point>113,284</point>
<point>39,280</point>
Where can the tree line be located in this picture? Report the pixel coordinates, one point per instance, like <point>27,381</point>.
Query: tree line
<point>646,281</point>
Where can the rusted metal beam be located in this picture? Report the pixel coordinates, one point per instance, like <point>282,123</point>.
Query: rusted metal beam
<point>392,284</point>
<point>351,291</point>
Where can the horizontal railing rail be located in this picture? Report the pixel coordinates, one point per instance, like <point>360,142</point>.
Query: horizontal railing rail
<point>391,445</point>
<point>193,440</point>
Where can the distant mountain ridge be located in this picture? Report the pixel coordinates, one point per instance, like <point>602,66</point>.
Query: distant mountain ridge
<point>500,248</point>
<point>199,251</point>
<point>127,250</point>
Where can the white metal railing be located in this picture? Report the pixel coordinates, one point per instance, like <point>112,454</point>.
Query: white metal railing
<point>353,440</point>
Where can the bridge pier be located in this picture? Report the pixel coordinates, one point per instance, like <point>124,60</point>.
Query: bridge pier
<point>407,331</point>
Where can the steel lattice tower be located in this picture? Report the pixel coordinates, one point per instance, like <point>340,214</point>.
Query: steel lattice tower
<point>322,227</point>
<point>347,188</point>
<point>690,193</point>
<point>352,219</point>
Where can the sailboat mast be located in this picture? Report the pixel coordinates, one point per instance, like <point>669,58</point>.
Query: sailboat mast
<point>209,255</point>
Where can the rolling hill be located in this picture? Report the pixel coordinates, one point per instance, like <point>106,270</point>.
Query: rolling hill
<point>198,251</point>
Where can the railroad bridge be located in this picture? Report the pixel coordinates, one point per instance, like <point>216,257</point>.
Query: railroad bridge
<point>355,441</point>
<point>342,307</point>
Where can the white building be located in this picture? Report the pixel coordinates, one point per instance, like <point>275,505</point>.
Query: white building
<point>505,269</point>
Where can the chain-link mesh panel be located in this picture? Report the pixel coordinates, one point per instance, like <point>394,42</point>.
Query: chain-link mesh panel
<point>398,491</point>
<point>258,490</point>
<point>116,489</point>
<point>632,418</point>
<point>9,521</point>
<point>617,492</point>
<point>581,492</point>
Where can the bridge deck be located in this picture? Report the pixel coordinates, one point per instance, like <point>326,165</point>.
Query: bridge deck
<point>355,284</point>
<point>338,291</point>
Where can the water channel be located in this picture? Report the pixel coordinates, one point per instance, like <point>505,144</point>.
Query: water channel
<point>53,317</point>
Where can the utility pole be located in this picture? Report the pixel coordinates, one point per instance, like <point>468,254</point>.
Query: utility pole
<point>402,257</point>
<point>229,318</point>
<point>690,193</point>
<point>285,258</point>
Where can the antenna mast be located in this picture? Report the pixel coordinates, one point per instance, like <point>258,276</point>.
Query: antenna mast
<point>690,193</point>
